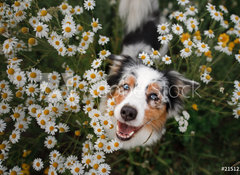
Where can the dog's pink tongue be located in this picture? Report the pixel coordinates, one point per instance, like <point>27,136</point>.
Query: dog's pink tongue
<point>125,129</point>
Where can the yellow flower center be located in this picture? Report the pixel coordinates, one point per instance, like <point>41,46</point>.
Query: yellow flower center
<point>95,166</point>
<point>71,99</point>
<point>95,24</point>
<point>39,28</point>
<point>43,12</point>
<point>103,52</point>
<point>51,128</point>
<point>85,38</point>
<point>93,76</point>
<point>64,6</point>
<point>31,89</point>
<point>31,41</point>
<point>33,75</point>
<point>42,122</point>
<point>163,27</point>
<point>11,71</point>
<point>13,173</point>
<point>2,146</point>
<point>77,169</point>
<point>101,88</point>
<point>55,164</point>
<point>208,77</point>
<point>19,78</point>
<point>68,29</point>
<point>14,135</point>
<point>16,115</point>
<point>187,50</point>
<point>100,145</point>
<point>24,30</point>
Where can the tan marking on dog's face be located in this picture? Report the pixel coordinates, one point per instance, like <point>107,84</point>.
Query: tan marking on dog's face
<point>157,117</point>
<point>120,94</point>
<point>156,110</point>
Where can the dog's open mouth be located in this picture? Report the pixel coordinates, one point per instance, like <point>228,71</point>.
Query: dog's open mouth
<point>126,132</point>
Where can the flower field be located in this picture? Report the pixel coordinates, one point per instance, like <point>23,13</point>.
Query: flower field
<point>54,59</point>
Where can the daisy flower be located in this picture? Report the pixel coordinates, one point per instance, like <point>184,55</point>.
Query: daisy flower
<point>104,54</point>
<point>216,15</point>
<point>54,77</point>
<point>78,10</point>
<point>89,4</point>
<point>143,56</point>
<point>237,56</point>
<point>206,78</point>
<point>4,108</point>
<point>4,84</point>
<point>86,160</point>
<point>41,30</point>
<point>180,16</point>
<point>94,91</point>
<point>235,19</point>
<point>223,8</point>
<point>34,75</point>
<point>166,59</point>
<point>21,125</point>
<point>65,8</point>
<point>209,33</point>
<point>6,95</point>
<point>95,25</point>
<point>43,15</point>
<point>191,10</point>
<point>165,38</point>
<point>103,40</point>
<point>92,75</point>
<point>210,7</point>
<point>177,29</point>
<point>32,90</point>
<point>104,169</point>
<point>203,47</point>
<point>192,24</point>
<point>54,96</point>
<point>183,2</point>
<point>163,29</point>
<point>77,168</point>
<point>15,170</point>
<point>18,5</point>
<point>70,161</point>
<point>33,21</point>
<point>2,125</point>
<point>51,128</point>
<point>99,144</point>
<point>237,84</point>
<point>17,114</point>
<point>19,16</point>
<point>99,156</point>
<point>42,121</point>
<point>82,86</point>
<point>5,146</point>
<point>186,52</point>
<point>3,169</point>
<point>37,164</point>
<point>62,127</point>
<point>54,155</point>
<point>68,30</point>
<point>50,142</point>
<point>96,63</point>
<point>236,112</point>
<point>71,50</point>
<point>15,136</point>
<point>72,99</point>
<point>52,171</point>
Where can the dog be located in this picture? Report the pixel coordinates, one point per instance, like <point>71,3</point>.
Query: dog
<point>145,97</point>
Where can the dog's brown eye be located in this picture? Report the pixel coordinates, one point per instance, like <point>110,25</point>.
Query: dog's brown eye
<point>126,87</point>
<point>153,96</point>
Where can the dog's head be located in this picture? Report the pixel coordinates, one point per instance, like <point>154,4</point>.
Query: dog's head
<point>145,98</point>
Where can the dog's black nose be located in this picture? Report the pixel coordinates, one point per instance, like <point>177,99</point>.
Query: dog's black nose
<point>128,113</point>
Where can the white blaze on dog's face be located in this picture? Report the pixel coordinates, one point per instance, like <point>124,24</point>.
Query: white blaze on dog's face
<point>143,100</point>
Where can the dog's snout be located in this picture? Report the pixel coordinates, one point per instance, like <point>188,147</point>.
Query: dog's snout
<point>128,113</point>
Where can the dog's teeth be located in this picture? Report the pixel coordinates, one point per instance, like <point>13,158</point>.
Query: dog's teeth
<point>131,133</point>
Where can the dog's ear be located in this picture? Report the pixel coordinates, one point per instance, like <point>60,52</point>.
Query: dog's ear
<point>178,89</point>
<point>117,65</point>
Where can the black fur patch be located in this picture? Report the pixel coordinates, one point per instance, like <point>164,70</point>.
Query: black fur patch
<point>146,34</point>
<point>173,94</point>
<point>126,62</point>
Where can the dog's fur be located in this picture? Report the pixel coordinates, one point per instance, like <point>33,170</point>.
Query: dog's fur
<point>145,97</point>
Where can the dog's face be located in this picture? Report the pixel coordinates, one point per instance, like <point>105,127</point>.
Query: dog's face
<point>145,98</point>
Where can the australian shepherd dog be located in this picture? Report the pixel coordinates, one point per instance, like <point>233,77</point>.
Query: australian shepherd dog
<point>145,97</point>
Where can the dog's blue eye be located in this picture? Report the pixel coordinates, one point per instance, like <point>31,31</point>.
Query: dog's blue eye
<point>153,97</point>
<point>125,87</point>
